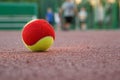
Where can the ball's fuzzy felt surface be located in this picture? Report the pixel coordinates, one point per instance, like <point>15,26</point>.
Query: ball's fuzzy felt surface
<point>38,35</point>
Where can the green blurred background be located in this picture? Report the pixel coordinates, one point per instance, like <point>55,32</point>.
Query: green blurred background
<point>38,8</point>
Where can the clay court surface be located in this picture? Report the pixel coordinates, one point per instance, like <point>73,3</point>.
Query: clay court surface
<point>75,55</point>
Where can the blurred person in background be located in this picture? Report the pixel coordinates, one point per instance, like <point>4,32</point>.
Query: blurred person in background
<point>99,15</point>
<point>109,10</point>
<point>57,19</point>
<point>82,18</point>
<point>50,16</point>
<point>68,9</point>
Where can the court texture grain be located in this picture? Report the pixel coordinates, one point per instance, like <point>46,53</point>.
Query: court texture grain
<point>75,55</point>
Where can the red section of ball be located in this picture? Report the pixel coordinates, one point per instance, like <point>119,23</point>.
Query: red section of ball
<point>35,30</point>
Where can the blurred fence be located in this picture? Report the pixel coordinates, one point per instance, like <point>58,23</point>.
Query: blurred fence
<point>16,15</point>
<point>111,11</point>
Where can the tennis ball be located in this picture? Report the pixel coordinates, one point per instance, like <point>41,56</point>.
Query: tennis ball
<point>38,35</point>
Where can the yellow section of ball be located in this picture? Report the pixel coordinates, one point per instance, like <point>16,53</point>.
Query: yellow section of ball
<point>42,45</point>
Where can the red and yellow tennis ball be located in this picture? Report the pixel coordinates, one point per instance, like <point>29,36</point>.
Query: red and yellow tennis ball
<point>38,35</point>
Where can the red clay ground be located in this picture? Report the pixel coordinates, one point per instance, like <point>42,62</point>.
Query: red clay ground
<point>89,55</point>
